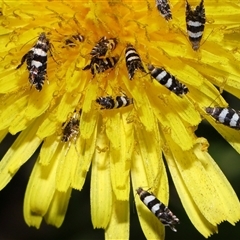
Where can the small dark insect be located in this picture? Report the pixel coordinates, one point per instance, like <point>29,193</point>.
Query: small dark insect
<point>36,60</point>
<point>103,46</point>
<point>110,103</point>
<point>168,80</point>
<point>133,61</point>
<point>164,9</point>
<point>71,41</point>
<point>227,116</point>
<point>99,65</point>
<point>195,21</point>
<point>162,212</point>
<point>70,130</point>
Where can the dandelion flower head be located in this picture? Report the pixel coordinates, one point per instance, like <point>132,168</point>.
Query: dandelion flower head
<point>123,145</point>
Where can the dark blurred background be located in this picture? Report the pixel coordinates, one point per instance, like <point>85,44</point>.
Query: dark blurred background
<point>77,223</point>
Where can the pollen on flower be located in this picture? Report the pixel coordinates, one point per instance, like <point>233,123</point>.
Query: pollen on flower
<point>73,83</point>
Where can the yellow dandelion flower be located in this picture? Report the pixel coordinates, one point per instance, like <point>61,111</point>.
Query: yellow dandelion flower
<point>78,77</point>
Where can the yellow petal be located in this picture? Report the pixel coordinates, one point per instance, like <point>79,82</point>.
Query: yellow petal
<point>39,193</point>
<point>150,224</point>
<point>39,103</point>
<point>48,149</point>
<point>229,199</point>
<point>88,123</point>
<point>224,12</point>
<point>19,123</point>
<point>183,72</point>
<point>3,134</point>
<point>141,103</point>
<point>40,190</point>
<point>9,82</point>
<point>49,126</point>
<point>148,148</point>
<point>31,218</point>
<point>89,117</point>
<point>11,108</point>
<point>58,208</point>
<point>206,96</point>
<point>68,158</point>
<point>67,105</point>
<point>91,93</point>
<point>114,129</point>
<point>164,103</point>
<point>120,169</point>
<point>118,227</point>
<point>101,190</point>
<point>191,208</point>
<point>119,164</point>
<point>74,76</point>
<point>173,126</point>
<point>25,145</point>
<point>86,150</point>
<point>129,135</point>
<point>231,135</point>
<point>189,166</point>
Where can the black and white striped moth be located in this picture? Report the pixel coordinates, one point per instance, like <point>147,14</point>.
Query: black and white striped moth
<point>162,212</point>
<point>225,115</point>
<point>133,61</point>
<point>164,9</point>
<point>36,60</point>
<point>168,80</point>
<point>110,103</point>
<point>195,21</point>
